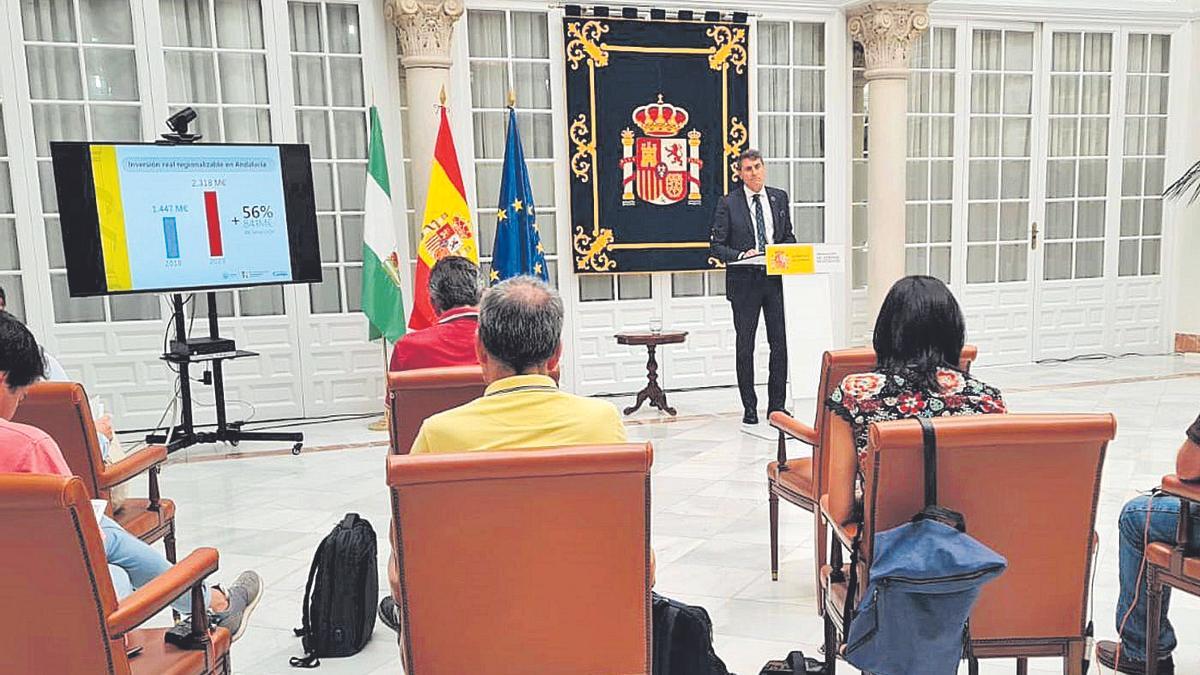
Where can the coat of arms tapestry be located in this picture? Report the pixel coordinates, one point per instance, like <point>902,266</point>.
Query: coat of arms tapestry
<point>657,112</point>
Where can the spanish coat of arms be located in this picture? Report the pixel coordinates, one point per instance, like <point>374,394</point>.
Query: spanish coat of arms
<point>660,167</point>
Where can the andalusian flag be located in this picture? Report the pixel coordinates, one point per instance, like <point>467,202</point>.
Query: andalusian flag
<point>382,301</point>
<point>446,228</point>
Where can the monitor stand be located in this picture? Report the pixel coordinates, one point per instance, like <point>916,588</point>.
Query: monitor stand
<point>183,354</point>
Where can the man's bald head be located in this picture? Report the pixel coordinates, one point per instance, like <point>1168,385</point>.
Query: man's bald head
<point>520,323</point>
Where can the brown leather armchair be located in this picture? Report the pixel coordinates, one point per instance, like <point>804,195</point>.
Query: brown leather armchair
<point>1036,507</point>
<point>414,395</point>
<point>524,561</point>
<point>61,409</point>
<point>61,614</point>
<point>796,481</point>
<point>1171,565</point>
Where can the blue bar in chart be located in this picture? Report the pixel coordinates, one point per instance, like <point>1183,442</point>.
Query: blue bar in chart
<point>171,235</point>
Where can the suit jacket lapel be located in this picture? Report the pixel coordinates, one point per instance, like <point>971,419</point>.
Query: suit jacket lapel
<point>740,207</point>
<point>776,204</point>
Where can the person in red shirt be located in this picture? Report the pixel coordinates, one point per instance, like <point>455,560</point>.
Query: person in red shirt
<point>454,290</point>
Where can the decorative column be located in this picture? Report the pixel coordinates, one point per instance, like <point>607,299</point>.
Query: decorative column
<point>886,31</point>
<point>424,28</point>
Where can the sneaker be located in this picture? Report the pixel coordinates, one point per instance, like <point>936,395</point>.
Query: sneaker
<point>243,595</point>
<point>1106,654</point>
<point>389,614</point>
<point>750,417</point>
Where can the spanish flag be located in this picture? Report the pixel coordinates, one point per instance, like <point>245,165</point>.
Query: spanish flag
<point>446,228</point>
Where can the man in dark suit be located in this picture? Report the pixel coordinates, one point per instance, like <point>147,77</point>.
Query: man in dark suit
<point>746,220</point>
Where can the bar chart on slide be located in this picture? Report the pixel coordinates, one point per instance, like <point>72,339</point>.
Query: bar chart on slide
<point>212,218</point>
<point>171,237</point>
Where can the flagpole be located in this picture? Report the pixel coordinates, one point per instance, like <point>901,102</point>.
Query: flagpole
<point>385,423</point>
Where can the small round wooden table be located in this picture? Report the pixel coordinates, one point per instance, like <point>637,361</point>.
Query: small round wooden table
<point>652,392</point>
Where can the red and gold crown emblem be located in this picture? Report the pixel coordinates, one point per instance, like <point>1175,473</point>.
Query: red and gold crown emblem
<point>660,119</point>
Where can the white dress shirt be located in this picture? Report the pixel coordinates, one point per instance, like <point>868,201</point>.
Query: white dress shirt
<point>768,221</point>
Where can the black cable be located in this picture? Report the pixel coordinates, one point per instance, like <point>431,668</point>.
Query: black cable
<point>286,422</point>
<point>1099,356</point>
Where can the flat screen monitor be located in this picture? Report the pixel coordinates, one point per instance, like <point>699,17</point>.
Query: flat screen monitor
<point>145,218</point>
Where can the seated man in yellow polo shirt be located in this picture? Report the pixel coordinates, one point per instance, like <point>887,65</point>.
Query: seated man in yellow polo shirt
<point>518,344</point>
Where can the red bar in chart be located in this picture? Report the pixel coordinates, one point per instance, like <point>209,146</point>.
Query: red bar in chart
<point>215,248</point>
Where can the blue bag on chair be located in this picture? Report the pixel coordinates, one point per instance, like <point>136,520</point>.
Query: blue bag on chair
<point>925,577</point>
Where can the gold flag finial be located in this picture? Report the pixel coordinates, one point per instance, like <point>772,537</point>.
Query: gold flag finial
<point>512,98</point>
<point>442,96</point>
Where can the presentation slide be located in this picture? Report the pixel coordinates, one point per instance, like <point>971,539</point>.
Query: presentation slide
<point>190,216</point>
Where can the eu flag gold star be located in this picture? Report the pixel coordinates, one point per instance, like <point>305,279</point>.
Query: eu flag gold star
<point>501,214</point>
<point>517,204</point>
<point>539,248</point>
<point>537,268</point>
<point>494,276</point>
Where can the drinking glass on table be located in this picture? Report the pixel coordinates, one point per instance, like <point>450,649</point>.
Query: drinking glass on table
<point>656,324</point>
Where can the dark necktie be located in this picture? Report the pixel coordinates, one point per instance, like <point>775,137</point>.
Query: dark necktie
<point>760,222</point>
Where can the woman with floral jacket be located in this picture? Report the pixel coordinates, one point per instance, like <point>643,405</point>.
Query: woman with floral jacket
<point>918,342</point>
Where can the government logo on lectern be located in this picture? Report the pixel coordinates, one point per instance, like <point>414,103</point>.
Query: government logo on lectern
<point>659,167</point>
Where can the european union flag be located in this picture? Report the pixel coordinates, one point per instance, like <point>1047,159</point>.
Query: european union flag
<point>518,248</point>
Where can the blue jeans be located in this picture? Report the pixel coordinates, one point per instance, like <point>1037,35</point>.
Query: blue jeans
<point>132,564</point>
<point>1162,515</point>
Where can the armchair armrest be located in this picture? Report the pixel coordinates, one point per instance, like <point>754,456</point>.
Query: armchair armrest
<point>133,465</point>
<point>1177,487</point>
<point>150,599</point>
<point>843,532</point>
<point>794,428</point>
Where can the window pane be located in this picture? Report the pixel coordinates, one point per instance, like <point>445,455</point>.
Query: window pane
<point>48,21</point>
<point>15,296</point>
<point>73,310</point>
<point>343,29</point>
<point>352,238</point>
<point>1058,261</point>
<point>773,42</point>
<point>116,123</point>
<point>529,35</point>
<point>595,287</point>
<point>687,284</point>
<point>247,125</point>
<point>312,127</point>
<point>137,307</point>
<point>9,258</point>
<point>190,77</point>
<point>352,181</point>
<point>981,264</point>
<point>350,134</point>
<point>633,286</point>
<point>1089,259</point>
<point>485,33</point>
<point>326,297</point>
<point>353,276</point>
<point>244,78</point>
<point>185,23</point>
<point>239,24</point>
<point>308,80</point>
<point>306,28</point>
<point>54,73</point>
<point>264,301</point>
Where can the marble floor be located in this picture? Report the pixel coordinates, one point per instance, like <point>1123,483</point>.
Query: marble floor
<point>267,510</point>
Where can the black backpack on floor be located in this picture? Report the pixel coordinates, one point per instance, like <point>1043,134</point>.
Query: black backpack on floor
<point>683,640</point>
<point>339,599</point>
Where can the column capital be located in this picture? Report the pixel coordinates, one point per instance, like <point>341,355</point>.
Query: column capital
<point>424,28</point>
<point>886,31</point>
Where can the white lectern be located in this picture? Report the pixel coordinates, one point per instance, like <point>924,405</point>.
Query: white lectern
<point>814,289</point>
